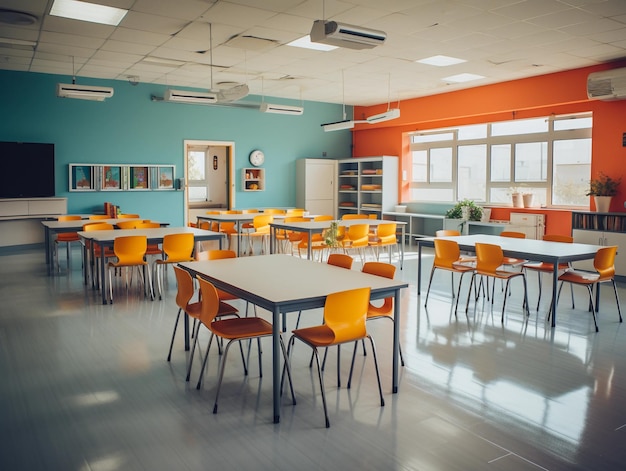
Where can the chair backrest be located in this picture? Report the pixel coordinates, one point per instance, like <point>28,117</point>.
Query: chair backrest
<point>274,211</point>
<point>126,224</point>
<point>386,231</point>
<point>130,250</point>
<point>128,216</point>
<point>147,225</point>
<point>249,211</point>
<point>513,234</point>
<point>488,257</point>
<point>96,217</point>
<point>98,226</point>
<point>261,222</point>
<point>178,247</point>
<point>357,233</point>
<point>295,212</point>
<point>446,253</point>
<point>210,302</point>
<point>604,262</point>
<point>323,217</point>
<point>185,287</point>
<point>386,270</point>
<point>558,238</point>
<point>219,254</point>
<point>345,313</point>
<point>69,217</point>
<point>230,211</point>
<point>355,216</point>
<point>341,260</point>
<point>447,233</point>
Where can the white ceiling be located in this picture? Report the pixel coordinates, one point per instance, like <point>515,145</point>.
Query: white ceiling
<point>500,39</point>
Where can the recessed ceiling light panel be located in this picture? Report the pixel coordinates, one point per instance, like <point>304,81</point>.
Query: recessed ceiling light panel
<point>305,42</point>
<point>441,61</point>
<point>91,12</point>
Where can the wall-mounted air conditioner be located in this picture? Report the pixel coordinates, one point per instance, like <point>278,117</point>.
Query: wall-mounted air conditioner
<point>607,85</point>
<point>184,96</point>
<point>344,35</point>
<point>83,92</point>
<point>281,109</point>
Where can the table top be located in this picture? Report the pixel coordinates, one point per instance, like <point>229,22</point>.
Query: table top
<point>156,233</point>
<point>78,224</point>
<point>524,248</point>
<point>321,225</point>
<point>238,217</point>
<point>294,283</point>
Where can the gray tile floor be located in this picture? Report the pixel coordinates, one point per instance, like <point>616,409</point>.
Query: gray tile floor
<point>87,387</point>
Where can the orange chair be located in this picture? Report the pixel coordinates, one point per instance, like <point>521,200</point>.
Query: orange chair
<point>448,257</point>
<point>317,240</point>
<point>354,216</point>
<point>183,301</point>
<point>285,238</point>
<point>545,267</point>
<point>295,212</point>
<point>65,238</point>
<point>512,261</point>
<point>261,230</point>
<point>274,211</point>
<point>99,217</point>
<point>356,238</point>
<point>345,314</point>
<point>130,252</point>
<point>98,256</point>
<point>128,216</point>
<point>131,224</point>
<point>488,258</point>
<point>385,237</point>
<point>384,311</point>
<point>177,248</point>
<point>233,330</point>
<point>447,233</point>
<point>604,264</point>
<point>153,249</point>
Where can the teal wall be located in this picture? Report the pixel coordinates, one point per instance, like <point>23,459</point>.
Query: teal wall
<point>131,128</point>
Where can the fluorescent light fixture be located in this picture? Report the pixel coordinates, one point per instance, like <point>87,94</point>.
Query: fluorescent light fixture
<point>17,43</point>
<point>386,116</point>
<point>460,78</point>
<point>281,109</point>
<point>162,61</point>
<point>305,42</point>
<point>441,61</point>
<point>338,126</point>
<point>91,12</point>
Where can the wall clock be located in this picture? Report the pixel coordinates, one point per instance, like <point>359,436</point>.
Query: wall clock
<point>257,157</point>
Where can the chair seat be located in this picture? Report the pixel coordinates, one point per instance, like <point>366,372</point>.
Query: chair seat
<point>513,261</point>
<point>580,277</point>
<point>225,309</point>
<point>545,267</point>
<point>241,327</point>
<point>318,336</point>
<point>67,237</point>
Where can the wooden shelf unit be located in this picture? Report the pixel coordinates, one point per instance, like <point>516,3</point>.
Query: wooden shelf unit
<point>252,179</point>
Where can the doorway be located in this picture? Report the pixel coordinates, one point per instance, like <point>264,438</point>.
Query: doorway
<point>209,183</point>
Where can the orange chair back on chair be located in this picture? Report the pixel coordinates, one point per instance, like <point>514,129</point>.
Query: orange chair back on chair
<point>447,233</point>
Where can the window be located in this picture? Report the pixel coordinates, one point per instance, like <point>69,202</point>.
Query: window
<point>196,173</point>
<point>550,157</point>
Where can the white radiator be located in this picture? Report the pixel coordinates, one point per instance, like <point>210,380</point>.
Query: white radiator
<point>533,225</point>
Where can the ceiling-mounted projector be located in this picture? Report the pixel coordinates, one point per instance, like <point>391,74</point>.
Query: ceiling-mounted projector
<point>281,109</point>
<point>344,35</point>
<point>185,96</point>
<point>386,116</point>
<point>83,92</point>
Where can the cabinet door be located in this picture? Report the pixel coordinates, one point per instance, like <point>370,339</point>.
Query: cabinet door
<point>615,238</point>
<point>320,180</point>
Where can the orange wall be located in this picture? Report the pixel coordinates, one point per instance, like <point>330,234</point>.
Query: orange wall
<point>558,93</point>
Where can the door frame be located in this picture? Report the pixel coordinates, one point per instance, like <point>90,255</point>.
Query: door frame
<point>230,173</point>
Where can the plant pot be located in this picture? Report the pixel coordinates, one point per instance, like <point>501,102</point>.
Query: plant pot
<point>603,203</point>
<point>529,200</point>
<point>518,200</point>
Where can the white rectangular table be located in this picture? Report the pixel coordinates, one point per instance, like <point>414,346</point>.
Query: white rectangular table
<point>317,227</point>
<point>530,249</point>
<point>295,284</point>
<point>106,239</point>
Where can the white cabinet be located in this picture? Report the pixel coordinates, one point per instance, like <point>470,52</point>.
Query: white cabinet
<point>316,186</point>
<point>604,229</point>
<point>20,219</point>
<point>368,185</point>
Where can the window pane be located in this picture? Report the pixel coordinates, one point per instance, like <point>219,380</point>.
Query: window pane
<point>432,194</point>
<point>531,162</point>
<point>441,164</point>
<point>477,131</point>
<point>420,164</point>
<point>523,126</point>
<point>572,171</point>
<point>573,123</point>
<point>195,162</point>
<point>472,173</point>
<point>501,163</point>
<point>446,136</point>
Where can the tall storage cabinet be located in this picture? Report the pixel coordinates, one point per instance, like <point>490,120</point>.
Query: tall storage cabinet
<point>601,229</point>
<point>368,185</point>
<point>316,186</point>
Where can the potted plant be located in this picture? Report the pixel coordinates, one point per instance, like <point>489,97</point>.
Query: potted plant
<point>466,210</point>
<point>603,189</point>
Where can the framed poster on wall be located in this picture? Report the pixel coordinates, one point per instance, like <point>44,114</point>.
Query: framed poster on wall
<point>111,177</point>
<point>82,177</point>
<point>139,178</point>
<point>165,178</point>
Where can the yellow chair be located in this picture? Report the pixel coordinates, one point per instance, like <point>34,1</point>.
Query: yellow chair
<point>261,230</point>
<point>65,238</point>
<point>285,238</point>
<point>545,267</point>
<point>354,216</point>
<point>384,311</point>
<point>130,252</point>
<point>249,211</point>
<point>356,238</point>
<point>128,216</point>
<point>385,237</point>
<point>153,249</point>
<point>184,294</point>
<point>317,240</point>
<point>274,211</point>
<point>127,224</point>
<point>604,264</point>
<point>447,233</point>
<point>295,212</point>
<point>512,261</point>
<point>448,257</point>
<point>177,248</point>
<point>488,258</point>
<point>345,314</point>
<point>233,330</point>
<point>99,217</point>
